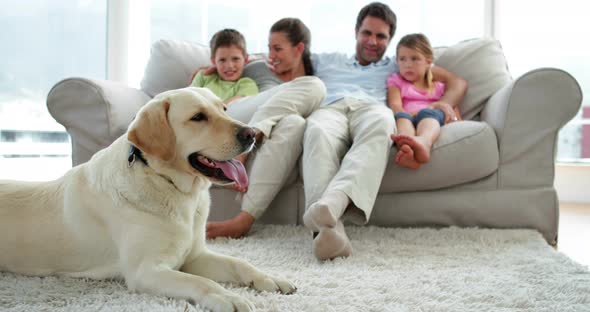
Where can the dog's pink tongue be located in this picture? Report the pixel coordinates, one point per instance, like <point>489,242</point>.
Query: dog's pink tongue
<point>235,171</point>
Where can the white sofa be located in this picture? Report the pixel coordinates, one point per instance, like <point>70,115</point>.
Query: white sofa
<point>495,169</point>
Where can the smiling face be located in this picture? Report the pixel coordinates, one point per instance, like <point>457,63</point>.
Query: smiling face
<point>372,39</point>
<point>412,64</point>
<point>230,61</point>
<point>282,54</point>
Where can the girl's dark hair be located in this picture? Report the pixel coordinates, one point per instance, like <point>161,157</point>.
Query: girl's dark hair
<point>296,32</point>
<point>226,38</point>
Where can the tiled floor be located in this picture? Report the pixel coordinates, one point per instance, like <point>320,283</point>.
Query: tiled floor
<point>574,232</point>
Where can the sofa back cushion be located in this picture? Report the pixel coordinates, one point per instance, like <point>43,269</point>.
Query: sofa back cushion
<point>172,64</point>
<point>482,63</point>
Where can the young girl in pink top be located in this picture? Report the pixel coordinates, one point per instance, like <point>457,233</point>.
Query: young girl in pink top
<point>411,95</point>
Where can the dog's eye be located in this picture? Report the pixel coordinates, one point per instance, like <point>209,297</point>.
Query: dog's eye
<point>224,108</point>
<point>199,117</point>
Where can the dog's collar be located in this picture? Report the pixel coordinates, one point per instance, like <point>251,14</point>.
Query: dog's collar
<point>135,153</point>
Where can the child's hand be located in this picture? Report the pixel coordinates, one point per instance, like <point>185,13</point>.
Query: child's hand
<point>450,115</point>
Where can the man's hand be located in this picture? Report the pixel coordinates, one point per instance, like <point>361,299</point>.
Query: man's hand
<point>447,108</point>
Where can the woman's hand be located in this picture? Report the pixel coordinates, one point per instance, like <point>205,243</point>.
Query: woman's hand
<point>208,71</point>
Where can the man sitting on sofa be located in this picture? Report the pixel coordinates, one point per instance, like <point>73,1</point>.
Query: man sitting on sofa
<point>347,141</point>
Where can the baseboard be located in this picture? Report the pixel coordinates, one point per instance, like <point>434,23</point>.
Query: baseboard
<point>572,183</point>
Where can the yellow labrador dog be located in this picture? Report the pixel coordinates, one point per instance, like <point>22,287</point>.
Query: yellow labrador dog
<point>138,208</point>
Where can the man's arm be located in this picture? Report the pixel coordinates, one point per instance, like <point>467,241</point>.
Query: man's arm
<point>455,86</point>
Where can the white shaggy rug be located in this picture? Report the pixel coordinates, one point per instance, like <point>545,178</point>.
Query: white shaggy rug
<point>449,269</point>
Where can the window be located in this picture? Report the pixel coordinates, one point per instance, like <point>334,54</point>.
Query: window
<point>552,36</point>
<point>198,20</point>
<point>64,38</point>
<point>43,42</point>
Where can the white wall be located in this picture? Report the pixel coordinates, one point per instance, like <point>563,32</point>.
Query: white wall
<point>573,183</point>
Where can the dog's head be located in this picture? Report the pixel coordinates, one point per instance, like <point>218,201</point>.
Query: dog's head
<point>187,131</point>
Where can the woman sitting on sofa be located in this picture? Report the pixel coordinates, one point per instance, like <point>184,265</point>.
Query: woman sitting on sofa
<point>289,93</point>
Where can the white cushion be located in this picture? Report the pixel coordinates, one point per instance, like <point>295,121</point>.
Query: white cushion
<point>482,63</point>
<point>172,64</point>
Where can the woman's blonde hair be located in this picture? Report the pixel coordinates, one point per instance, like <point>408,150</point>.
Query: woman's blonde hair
<point>421,44</point>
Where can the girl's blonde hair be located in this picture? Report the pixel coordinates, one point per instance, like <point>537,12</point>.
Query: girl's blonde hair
<point>421,44</point>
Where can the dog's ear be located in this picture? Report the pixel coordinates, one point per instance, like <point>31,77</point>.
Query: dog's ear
<point>151,131</point>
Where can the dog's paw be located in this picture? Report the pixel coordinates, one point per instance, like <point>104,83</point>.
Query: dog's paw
<point>274,284</point>
<point>227,302</point>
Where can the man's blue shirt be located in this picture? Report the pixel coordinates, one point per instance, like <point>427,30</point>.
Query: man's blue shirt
<point>346,77</point>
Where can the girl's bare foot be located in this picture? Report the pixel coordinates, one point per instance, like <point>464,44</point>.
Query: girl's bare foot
<point>419,145</point>
<point>405,158</point>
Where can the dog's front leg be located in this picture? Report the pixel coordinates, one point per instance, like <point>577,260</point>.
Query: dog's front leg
<point>205,292</point>
<point>223,268</point>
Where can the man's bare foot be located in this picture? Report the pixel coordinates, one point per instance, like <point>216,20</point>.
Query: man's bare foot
<point>405,158</point>
<point>234,228</point>
<point>418,144</point>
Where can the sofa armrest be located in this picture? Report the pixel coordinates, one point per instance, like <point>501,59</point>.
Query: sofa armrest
<point>94,112</point>
<point>526,116</point>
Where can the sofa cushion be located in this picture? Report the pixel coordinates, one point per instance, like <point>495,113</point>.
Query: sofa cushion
<point>482,63</point>
<point>172,64</point>
<point>261,73</point>
<point>465,151</point>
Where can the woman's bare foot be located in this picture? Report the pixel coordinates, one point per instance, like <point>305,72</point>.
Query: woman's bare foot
<point>405,158</point>
<point>236,227</point>
<point>418,144</point>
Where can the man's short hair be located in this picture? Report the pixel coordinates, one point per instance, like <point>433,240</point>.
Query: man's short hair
<point>378,10</point>
<point>226,38</point>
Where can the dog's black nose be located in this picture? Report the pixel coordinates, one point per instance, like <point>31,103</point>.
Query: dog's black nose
<point>246,136</point>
